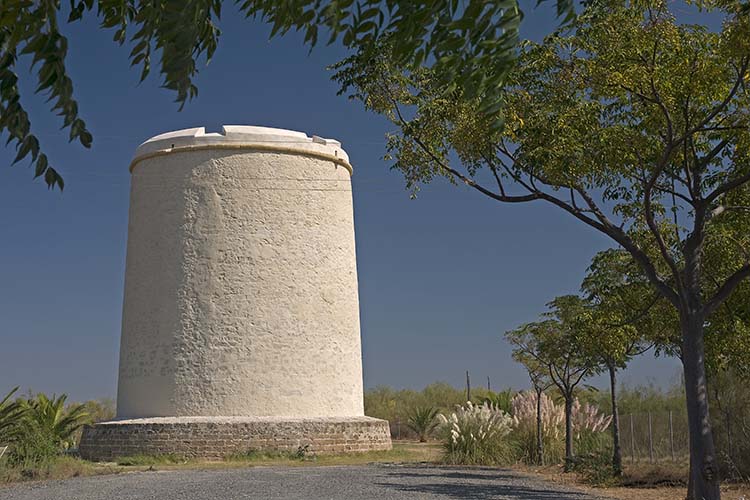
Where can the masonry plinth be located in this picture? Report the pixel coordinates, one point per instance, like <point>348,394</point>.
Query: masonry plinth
<point>214,438</point>
<point>241,315</point>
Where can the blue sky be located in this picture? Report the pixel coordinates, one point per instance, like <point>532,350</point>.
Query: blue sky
<point>441,277</point>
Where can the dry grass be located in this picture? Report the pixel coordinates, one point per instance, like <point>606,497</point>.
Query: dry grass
<point>67,467</point>
<point>57,468</point>
<point>665,481</point>
<point>402,452</point>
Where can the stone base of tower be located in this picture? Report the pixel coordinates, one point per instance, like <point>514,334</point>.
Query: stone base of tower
<point>214,438</point>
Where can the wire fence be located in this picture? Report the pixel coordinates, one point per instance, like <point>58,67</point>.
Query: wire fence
<point>654,436</point>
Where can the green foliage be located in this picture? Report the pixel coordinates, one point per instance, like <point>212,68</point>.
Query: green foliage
<point>524,436</point>
<point>55,468</point>
<point>50,418</point>
<point>641,399</point>
<point>396,405</point>
<point>523,441</point>
<point>595,468</point>
<point>623,316</point>
<point>730,412</point>
<point>553,345</point>
<point>100,410</point>
<point>501,400</point>
<point>630,122</point>
<point>476,435</point>
<point>33,449</point>
<point>472,45</point>
<point>11,412</point>
<point>634,124</point>
<point>423,420</point>
<point>590,442</point>
<point>165,459</point>
<point>38,429</point>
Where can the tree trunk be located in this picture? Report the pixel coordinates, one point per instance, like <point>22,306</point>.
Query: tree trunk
<point>539,438</point>
<point>704,470</point>
<point>568,432</point>
<point>617,451</point>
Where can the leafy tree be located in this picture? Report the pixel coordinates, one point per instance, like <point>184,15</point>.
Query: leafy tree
<point>624,317</point>
<point>630,122</point>
<point>423,420</point>
<point>471,44</point>
<point>552,344</point>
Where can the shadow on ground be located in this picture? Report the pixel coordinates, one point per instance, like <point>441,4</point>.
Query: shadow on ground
<point>474,483</point>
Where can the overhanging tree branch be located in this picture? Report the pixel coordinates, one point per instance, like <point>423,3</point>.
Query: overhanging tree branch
<point>726,289</point>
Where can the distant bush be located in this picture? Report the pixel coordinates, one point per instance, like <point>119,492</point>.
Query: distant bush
<point>100,410</point>
<point>501,400</point>
<point>423,421</point>
<point>397,405</point>
<point>476,435</point>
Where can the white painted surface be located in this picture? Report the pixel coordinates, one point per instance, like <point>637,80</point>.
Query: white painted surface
<point>241,284</point>
<point>241,135</point>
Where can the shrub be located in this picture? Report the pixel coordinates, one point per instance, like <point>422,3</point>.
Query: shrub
<point>100,410</point>
<point>33,449</point>
<point>523,408</point>
<point>50,418</point>
<point>423,421</point>
<point>502,400</point>
<point>45,430</point>
<point>587,417</point>
<point>596,468</point>
<point>589,425</point>
<point>397,405</point>
<point>476,435</point>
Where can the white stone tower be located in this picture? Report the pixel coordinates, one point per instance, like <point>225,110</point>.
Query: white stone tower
<point>241,315</point>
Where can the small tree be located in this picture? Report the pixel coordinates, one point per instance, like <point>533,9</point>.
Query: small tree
<point>624,318</point>
<point>553,344</point>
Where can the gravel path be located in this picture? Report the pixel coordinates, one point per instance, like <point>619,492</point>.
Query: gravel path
<point>381,482</point>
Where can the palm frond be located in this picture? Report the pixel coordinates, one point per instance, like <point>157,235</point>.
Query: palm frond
<point>11,413</point>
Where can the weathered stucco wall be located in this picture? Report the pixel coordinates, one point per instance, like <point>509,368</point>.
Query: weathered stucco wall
<point>241,282</point>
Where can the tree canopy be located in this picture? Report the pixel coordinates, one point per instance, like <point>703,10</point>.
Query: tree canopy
<point>635,124</point>
<point>470,44</point>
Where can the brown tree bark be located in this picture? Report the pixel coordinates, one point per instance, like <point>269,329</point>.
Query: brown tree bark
<point>539,437</point>
<point>704,471</point>
<point>568,433</point>
<point>617,450</point>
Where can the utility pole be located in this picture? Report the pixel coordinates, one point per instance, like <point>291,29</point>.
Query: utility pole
<point>468,386</point>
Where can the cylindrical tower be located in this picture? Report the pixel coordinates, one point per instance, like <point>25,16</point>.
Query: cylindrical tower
<point>241,301</point>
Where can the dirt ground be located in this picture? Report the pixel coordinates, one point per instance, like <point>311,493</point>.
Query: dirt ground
<point>645,482</point>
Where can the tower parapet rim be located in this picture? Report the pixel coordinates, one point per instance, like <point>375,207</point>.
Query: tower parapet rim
<point>243,137</point>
